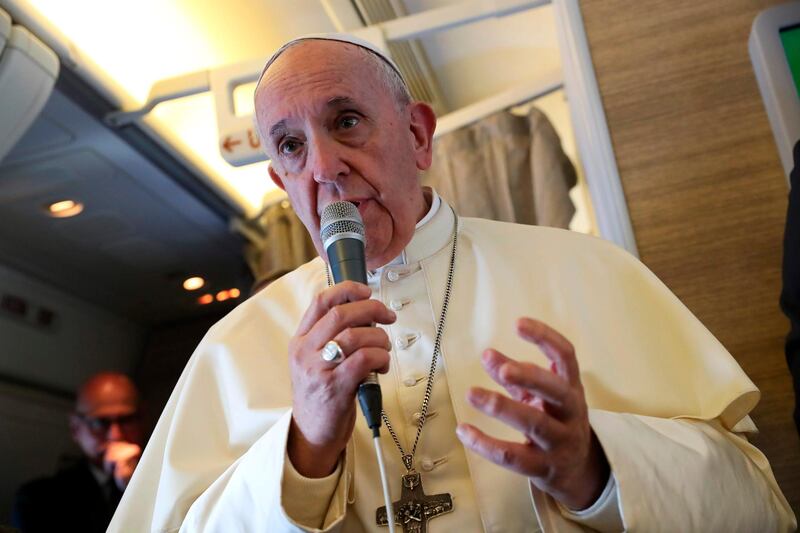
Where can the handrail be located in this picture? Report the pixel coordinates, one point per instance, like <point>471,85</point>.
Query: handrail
<point>403,28</point>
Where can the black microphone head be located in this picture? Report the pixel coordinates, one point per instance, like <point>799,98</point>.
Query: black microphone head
<point>340,220</point>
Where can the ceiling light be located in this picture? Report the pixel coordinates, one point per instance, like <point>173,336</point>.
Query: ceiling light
<point>193,283</point>
<point>234,293</point>
<point>177,34</point>
<point>205,299</point>
<point>223,295</point>
<point>64,208</point>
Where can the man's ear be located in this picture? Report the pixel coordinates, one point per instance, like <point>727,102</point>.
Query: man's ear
<point>423,124</point>
<point>276,179</point>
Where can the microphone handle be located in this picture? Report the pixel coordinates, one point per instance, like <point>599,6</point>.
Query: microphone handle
<point>346,258</point>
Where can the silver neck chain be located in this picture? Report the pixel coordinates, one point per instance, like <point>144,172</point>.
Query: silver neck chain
<point>408,458</point>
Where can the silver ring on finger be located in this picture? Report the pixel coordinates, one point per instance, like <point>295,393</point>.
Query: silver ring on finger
<point>332,353</point>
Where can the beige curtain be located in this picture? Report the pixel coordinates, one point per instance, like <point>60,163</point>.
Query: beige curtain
<point>285,244</point>
<point>505,167</point>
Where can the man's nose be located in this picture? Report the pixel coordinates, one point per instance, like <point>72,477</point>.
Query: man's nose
<point>114,431</point>
<point>327,164</point>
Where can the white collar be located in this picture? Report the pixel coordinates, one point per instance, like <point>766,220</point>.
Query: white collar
<point>435,203</point>
<point>431,233</point>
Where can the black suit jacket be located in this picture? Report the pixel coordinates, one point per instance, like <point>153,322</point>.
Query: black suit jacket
<point>790,295</point>
<point>72,500</point>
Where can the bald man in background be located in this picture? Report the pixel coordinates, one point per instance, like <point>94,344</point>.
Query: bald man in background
<point>106,425</point>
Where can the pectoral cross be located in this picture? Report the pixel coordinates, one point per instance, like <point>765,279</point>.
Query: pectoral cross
<point>415,508</point>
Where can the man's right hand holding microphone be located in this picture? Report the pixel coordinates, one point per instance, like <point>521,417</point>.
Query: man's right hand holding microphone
<point>323,393</point>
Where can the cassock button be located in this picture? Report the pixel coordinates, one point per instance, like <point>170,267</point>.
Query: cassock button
<point>410,382</point>
<point>404,341</point>
<point>415,418</point>
<point>396,305</point>
<point>427,465</point>
<point>393,275</point>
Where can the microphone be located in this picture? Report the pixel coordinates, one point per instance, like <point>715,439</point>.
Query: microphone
<point>343,238</point>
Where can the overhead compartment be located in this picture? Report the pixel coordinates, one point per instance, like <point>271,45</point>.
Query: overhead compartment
<point>28,71</point>
<point>5,29</point>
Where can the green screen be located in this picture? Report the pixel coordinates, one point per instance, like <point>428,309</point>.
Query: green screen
<point>790,37</point>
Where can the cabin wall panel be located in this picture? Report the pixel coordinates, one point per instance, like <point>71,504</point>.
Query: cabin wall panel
<point>167,351</point>
<point>84,338</point>
<point>703,182</point>
<point>34,439</point>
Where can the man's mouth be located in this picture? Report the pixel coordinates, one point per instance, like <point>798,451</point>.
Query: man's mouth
<point>360,204</point>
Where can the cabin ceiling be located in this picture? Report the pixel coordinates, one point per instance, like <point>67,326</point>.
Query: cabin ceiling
<point>139,236</point>
<point>149,222</point>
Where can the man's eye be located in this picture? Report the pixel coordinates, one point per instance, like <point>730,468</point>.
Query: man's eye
<point>288,147</point>
<point>349,122</point>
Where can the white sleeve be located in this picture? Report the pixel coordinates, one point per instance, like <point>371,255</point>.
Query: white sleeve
<point>604,514</point>
<point>249,495</point>
<point>681,475</point>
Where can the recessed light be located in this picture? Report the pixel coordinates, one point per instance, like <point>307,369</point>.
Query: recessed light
<point>193,283</point>
<point>234,293</point>
<point>64,209</point>
<point>205,299</point>
<point>223,295</point>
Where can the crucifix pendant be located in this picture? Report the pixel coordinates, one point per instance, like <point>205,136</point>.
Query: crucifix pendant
<point>415,508</point>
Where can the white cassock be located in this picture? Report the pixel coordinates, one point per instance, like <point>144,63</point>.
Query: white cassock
<point>667,402</point>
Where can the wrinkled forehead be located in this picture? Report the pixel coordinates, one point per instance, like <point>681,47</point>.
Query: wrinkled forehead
<point>315,64</point>
<point>312,58</point>
<point>313,77</point>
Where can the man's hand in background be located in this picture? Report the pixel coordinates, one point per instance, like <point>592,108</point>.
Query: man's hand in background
<point>120,460</point>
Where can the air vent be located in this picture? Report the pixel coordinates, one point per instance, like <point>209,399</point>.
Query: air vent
<point>409,55</point>
<point>17,308</point>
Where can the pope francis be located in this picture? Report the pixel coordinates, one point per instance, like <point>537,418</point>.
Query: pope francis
<point>534,379</point>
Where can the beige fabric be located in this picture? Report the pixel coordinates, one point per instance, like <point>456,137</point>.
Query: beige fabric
<point>505,167</point>
<point>442,460</point>
<point>287,244</point>
<point>308,501</point>
<point>664,397</point>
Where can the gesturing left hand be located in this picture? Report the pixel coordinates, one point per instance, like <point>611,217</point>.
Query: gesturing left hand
<point>560,455</point>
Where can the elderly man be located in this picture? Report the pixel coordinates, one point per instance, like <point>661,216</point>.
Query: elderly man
<point>107,428</point>
<point>614,408</point>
